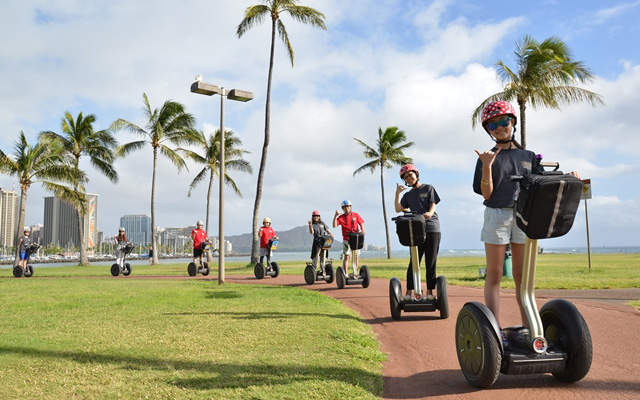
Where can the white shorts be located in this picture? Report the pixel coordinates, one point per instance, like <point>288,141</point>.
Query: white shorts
<point>346,250</point>
<point>500,227</point>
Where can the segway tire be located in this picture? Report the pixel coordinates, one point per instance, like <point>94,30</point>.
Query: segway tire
<point>29,272</point>
<point>366,278</point>
<point>205,270</point>
<point>259,271</point>
<point>115,270</point>
<point>328,269</point>
<point>443,298</point>
<point>126,271</point>
<point>560,320</point>
<point>341,278</point>
<point>395,291</point>
<point>192,269</point>
<point>309,274</point>
<point>18,271</point>
<point>276,269</point>
<point>477,346</point>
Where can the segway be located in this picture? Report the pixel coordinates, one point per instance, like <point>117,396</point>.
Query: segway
<point>325,273</point>
<point>411,230</point>
<point>203,266</point>
<point>356,242</point>
<point>271,269</point>
<point>557,339</point>
<point>18,271</point>
<point>125,268</point>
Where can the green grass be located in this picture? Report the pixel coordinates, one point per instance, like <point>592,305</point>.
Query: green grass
<point>168,339</point>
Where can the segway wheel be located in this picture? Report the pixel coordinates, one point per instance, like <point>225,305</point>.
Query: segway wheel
<point>328,269</point>
<point>115,270</point>
<point>192,269</point>
<point>395,291</point>
<point>366,278</point>
<point>341,278</point>
<point>17,271</point>
<point>443,298</point>
<point>564,326</point>
<point>205,270</point>
<point>276,269</point>
<point>259,271</point>
<point>477,347</point>
<point>126,271</point>
<point>309,274</point>
<point>29,272</point>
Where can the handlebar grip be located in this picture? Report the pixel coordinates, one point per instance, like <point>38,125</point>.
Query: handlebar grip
<point>514,178</point>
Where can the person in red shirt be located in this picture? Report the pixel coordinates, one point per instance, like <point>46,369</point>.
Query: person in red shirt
<point>266,233</point>
<point>198,236</point>
<point>350,222</point>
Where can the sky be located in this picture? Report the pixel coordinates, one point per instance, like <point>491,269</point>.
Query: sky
<point>422,66</point>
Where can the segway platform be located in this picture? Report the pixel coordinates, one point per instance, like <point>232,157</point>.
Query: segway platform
<point>272,268</point>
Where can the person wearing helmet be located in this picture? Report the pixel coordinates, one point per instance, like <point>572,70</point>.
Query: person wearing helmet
<point>499,229</point>
<point>320,232</point>
<point>266,233</point>
<point>198,235</point>
<point>421,199</point>
<point>121,242</point>
<point>23,243</point>
<point>350,222</point>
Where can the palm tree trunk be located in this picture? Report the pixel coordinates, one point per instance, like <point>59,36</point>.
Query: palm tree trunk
<point>21,217</point>
<point>523,122</point>
<point>263,160</point>
<point>153,209</point>
<point>384,211</point>
<point>84,260</point>
<point>209,200</point>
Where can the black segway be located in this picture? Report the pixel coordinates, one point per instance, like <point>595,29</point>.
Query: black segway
<point>557,339</point>
<point>203,266</point>
<point>411,230</point>
<point>18,271</point>
<point>125,268</point>
<point>325,273</point>
<point>271,269</point>
<point>362,277</point>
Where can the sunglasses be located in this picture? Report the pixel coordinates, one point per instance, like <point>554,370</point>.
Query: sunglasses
<point>492,126</point>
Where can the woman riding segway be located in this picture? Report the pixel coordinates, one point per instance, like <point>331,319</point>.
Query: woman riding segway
<point>322,240</point>
<point>123,248</point>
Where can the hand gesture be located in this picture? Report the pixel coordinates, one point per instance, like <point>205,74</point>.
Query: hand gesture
<point>400,188</point>
<point>488,157</point>
<point>337,213</point>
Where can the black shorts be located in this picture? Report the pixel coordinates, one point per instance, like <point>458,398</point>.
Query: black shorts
<point>197,252</point>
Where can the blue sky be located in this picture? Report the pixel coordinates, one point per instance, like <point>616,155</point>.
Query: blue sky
<point>422,66</point>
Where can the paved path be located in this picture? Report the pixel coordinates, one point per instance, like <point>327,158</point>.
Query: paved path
<point>421,352</point>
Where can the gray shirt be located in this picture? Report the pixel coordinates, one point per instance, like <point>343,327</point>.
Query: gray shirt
<point>319,229</point>
<point>419,200</point>
<point>24,243</point>
<point>508,162</point>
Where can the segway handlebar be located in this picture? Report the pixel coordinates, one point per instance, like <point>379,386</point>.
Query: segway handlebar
<point>406,214</point>
<point>518,178</point>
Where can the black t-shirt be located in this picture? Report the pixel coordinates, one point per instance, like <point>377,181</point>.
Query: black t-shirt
<point>319,229</point>
<point>508,162</point>
<point>419,200</point>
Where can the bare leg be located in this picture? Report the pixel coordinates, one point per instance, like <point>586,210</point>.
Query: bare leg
<point>517,261</point>
<point>495,261</point>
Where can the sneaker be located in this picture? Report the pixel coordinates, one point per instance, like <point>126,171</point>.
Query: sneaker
<point>407,297</point>
<point>431,297</point>
<point>352,276</point>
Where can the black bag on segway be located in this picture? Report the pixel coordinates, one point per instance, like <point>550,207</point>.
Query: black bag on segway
<point>547,204</point>
<point>356,240</point>
<point>411,229</point>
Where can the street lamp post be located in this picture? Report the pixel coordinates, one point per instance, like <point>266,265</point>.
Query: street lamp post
<point>232,94</point>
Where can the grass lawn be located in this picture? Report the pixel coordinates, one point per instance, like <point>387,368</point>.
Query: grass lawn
<point>169,339</point>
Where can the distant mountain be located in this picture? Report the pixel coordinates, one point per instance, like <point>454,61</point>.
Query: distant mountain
<point>296,239</point>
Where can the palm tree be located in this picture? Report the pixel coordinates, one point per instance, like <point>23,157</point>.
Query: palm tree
<point>49,164</point>
<point>544,77</point>
<point>389,149</point>
<point>170,124</point>
<point>253,16</point>
<point>78,138</point>
<point>211,161</point>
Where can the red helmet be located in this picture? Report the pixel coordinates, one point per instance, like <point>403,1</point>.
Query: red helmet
<point>408,167</point>
<point>313,214</point>
<point>496,108</point>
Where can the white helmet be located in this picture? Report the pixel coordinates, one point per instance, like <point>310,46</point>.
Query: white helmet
<point>199,223</point>
<point>121,229</point>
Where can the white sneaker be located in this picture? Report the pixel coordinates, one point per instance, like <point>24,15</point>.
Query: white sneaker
<point>407,297</point>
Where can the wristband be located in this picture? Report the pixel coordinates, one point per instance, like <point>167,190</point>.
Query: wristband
<point>485,182</point>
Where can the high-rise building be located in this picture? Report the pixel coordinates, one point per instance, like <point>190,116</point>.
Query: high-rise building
<point>137,228</point>
<point>61,223</point>
<point>9,204</point>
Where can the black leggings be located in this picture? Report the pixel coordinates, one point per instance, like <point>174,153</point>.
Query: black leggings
<point>429,249</point>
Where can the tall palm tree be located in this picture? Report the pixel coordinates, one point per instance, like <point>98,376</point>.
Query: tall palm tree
<point>170,124</point>
<point>544,77</point>
<point>389,149</point>
<point>210,158</point>
<point>47,163</point>
<point>78,138</point>
<point>253,16</point>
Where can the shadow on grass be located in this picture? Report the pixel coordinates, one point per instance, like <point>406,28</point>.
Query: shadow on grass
<point>223,294</point>
<point>266,315</point>
<point>222,376</point>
